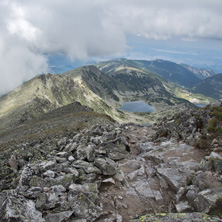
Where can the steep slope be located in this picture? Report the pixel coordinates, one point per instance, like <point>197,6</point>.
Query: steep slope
<point>47,92</point>
<point>35,97</point>
<point>211,86</point>
<point>133,82</point>
<point>99,83</point>
<point>200,73</point>
<point>172,72</point>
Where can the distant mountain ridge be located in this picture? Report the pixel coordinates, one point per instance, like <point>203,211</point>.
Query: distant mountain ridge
<point>168,70</point>
<point>211,86</point>
<point>200,73</point>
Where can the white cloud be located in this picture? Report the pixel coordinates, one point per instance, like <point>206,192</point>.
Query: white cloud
<point>81,29</point>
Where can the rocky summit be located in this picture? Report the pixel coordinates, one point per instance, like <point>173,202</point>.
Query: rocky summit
<point>105,171</point>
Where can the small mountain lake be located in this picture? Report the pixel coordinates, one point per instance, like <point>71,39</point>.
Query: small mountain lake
<point>137,106</point>
<point>200,105</point>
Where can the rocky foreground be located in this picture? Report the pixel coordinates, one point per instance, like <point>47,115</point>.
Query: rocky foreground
<point>117,173</point>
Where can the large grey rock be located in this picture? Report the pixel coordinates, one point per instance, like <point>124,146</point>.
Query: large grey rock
<point>145,147</point>
<point>183,207</point>
<point>206,165</point>
<point>86,166</point>
<point>26,175</point>
<point>48,165</point>
<point>32,192</point>
<point>84,201</point>
<point>116,151</point>
<point>86,152</point>
<point>218,166</point>
<point>41,202</point>
<point>13,162</point>
<point>56,197</point>
<point>62,142</point>
<point>106,166</point>
<point>18,208</point>
<point>38,182</point>
<point>49,173</point>
<point>143,188</point>
<point>133,175</point>
<point>174,177</point>
<point>59,217</point>
<point>209,200</point>
<point>3,197</point>
<point>65,180</point>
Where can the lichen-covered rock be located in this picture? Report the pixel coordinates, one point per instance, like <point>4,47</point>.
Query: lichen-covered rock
<point>84,201</point>
<point>49,173</point>
<point>218,166</point>
<point>116,151</point>
<point>105,166</point>
<point>56,197</point>
<point>37,182</point>
<point>41,202</point>
<point>86,152</point>
<point>177,217</point>
<point>18,208</point>
<point>65,180</point>
<point>48,165</point>
<point>86,166</point>
<point>59,217</point>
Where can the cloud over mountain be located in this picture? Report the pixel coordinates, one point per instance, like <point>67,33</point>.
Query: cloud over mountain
<point>29,30</point>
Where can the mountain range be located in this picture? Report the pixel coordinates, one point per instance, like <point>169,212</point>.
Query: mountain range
<point>104,87</point>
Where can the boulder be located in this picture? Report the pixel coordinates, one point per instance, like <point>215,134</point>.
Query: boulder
<point>105,166</point>
<point>174,177</point>
<point>48,165</point>
<point>13,162</point>
<point>65,180</point>
<point>41,202</point>
<point>59,217</point>
<point>209,200</point>
<point>86,152</point>
<point>183,207</point>
<point>84,201</point>
<point>86,166</point>
<point>218,166</point>
<point>56,197</point>
<point>36,181</point>
<point>116,151</point>
<point>49,173</point>
<point>17,208</point>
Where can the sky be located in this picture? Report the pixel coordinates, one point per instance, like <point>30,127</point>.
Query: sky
<point>41,36</point>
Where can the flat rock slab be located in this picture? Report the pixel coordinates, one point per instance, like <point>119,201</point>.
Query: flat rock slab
<point>174,177</point>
